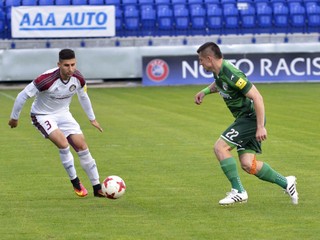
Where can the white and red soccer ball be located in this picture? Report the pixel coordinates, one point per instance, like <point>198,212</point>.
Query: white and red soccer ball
<point>113,187</point>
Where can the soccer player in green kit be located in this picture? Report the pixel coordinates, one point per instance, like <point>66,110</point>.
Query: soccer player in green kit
<point>247,131</point>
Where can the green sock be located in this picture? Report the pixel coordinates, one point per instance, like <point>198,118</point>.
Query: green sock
<point>229,167</point>
<point>266,173</point>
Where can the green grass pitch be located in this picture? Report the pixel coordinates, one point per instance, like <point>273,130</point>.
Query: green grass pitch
<point>160,143</point>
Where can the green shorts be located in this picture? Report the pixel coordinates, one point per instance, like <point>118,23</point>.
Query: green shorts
<point>242,134</point>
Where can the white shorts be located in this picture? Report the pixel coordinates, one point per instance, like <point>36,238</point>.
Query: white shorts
<point>46,124</point>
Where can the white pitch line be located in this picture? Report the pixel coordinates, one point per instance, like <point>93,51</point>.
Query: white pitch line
<point>7,96</point>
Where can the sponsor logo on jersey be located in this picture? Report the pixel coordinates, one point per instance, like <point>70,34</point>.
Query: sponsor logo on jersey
<point>157,70</point>
<point>241,83</point>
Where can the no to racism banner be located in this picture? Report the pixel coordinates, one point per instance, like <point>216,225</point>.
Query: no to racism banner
<point>258,67</point>
<point>62,21</point>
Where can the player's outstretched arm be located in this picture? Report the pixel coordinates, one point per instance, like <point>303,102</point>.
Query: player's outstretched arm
<point>96,125</point>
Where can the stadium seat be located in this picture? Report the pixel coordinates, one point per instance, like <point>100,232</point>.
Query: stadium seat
<point>248,18</point>
<point>313,16</point>
<point>148,20</point>
<point>281,17</point>
<point>46,2</point>
<point>291,1</point>
<point>214,18</point>
<point>10,3</point>
<point>113,2</point>
<point>29,2</point>
<point>165,20</point>
<point>194,2</point>
<point>145,2</point>
<point>95,2</point>
<point>63,2</point>
<point>228,1</point>
<point>297,17</point>
<point>181,18</point>
<point>264,17</point>
<point>231,18</point>
<point>179,2</point>
<point>2,24</point>
<point>198,19</point>
<point>119,21</point>
<point>79,2</point>
<point>211,1</point>
<point>131,20</point>
<point>159,2</point>
<point>129,2</point>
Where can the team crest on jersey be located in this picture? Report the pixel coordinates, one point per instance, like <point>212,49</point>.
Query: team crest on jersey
<point>157,70</point>
<point>225,86</point>
<point>72,88</point>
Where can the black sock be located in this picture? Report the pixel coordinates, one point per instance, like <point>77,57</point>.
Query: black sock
<point>76,183</point>
<point>96,188</point>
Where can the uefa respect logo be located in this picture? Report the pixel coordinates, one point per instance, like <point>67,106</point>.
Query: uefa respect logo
<point>157,70</point>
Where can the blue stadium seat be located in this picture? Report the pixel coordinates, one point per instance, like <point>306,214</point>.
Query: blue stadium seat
<point>248,18</point>
<point>281,17</point>
<point>79,2</point>
<point>113,2</point>
<point>313,16</point>
<point>228,1</point>
<point>96,2</point>
<point>145,2</point>
<point>214,18</point>
<point>297,17</point>
<point>2,24</point>
<point>194,2</point>
<point>158,2</point>
<point>264,17</point>
<point>179,2</point>
<point>291,1</point>
<point>198,19</point>
<point>131,20</point>
<point>10,3</point>
<point>211,1</point>
<point>119,21</point>
<point>46,2</point>
<point>148,20</point>
<point>129,2</point>
<point>231,18</point>
<point>181,18</point>
<point>165,20</point>
<point>63,2</point>
<point>29,2</point>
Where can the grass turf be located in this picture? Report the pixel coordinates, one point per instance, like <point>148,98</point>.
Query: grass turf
<point>160,143</point>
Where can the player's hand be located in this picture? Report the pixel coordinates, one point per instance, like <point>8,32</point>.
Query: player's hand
<point>198,97</point>
<point>13,123</point>
<point>261,134</point>
<point>96,125</point>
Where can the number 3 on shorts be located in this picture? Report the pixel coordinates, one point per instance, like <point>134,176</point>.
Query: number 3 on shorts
<point>48,125</point>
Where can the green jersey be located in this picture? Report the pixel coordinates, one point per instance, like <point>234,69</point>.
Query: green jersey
<point>232,85</point>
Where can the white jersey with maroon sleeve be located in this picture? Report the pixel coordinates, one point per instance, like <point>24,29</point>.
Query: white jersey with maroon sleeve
<point>53,95</point>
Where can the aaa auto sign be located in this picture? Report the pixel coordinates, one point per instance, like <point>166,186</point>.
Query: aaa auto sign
<point>62,21</point>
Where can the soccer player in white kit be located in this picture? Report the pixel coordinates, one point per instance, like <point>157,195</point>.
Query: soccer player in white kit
<point>53,91</point>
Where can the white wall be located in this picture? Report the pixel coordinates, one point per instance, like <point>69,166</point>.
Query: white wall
<point>117,62</point>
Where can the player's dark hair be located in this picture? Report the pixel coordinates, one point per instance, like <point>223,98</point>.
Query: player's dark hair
<point>210,47</point>
<point>66,54</point>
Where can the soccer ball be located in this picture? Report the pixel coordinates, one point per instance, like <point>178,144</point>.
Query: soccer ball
<point>113,187</point>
